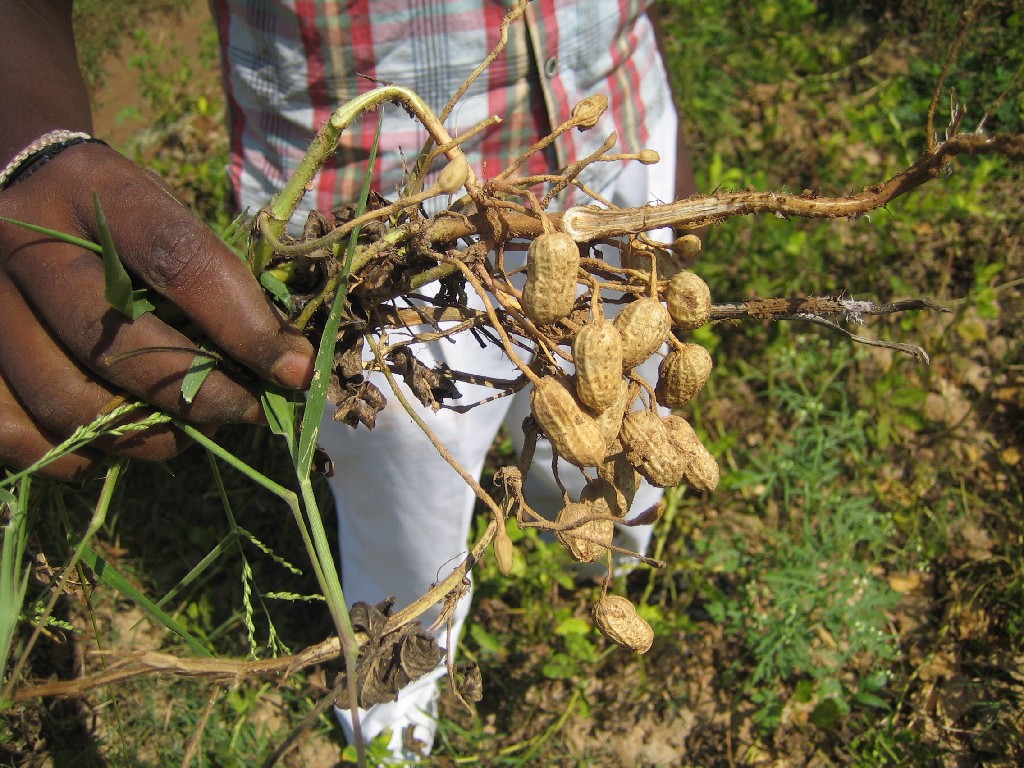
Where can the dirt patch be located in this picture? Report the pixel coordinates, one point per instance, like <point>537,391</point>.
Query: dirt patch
<point>121,108</point>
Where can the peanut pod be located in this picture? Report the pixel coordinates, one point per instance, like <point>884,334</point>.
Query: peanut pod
<point>649,449</point>
<point>503,551</point>
<point>573,433</point>
<point>597,352</point>
<point>682,374</point>
<point>587,541</point>
<point>609,421</point>
<point>700,470</point>
<point>643,325</point>
<point>620,480</point>
<point>552,263</point>
<point>689,300</point>
<point>618,620</point>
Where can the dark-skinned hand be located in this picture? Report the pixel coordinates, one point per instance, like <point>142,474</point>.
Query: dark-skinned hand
<point>63,347</point>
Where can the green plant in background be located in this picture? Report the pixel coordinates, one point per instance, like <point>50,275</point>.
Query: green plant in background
<point>812,607</point>
<point>183,139</point>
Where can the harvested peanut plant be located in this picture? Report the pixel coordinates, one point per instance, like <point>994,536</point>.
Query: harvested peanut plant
<point>341,282</point>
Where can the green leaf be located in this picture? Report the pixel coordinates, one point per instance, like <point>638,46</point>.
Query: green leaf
<point>488,641</point>
<point>827,713</point>
<point>110,576</point>
<point>202,366</point>
<point>279,406</point>
<point>62,236</point>
<point>277,288</point>
<point>871,700</point>
<point>574,625</point>
<point>118,285</point>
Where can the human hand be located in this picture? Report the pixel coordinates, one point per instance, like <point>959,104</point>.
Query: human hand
<point>64,351</point>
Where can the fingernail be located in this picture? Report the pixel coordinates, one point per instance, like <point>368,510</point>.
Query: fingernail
<point>293,371</point>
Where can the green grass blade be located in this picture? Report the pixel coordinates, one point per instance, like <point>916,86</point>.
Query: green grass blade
<point>199,568</point>
<point>13,577</point>
<point>110,576</point>
<point>62,236</point>
<point>317,398</point>
<point>197,373</point>
<point>118,285</point>
<point>281,408</point>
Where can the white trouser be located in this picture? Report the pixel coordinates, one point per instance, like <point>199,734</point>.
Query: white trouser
<point>404,513</point>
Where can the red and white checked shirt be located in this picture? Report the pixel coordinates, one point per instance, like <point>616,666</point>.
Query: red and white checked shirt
<point>289,63</point>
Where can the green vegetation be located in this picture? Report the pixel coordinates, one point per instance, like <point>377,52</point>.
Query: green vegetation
<point>853,594</point>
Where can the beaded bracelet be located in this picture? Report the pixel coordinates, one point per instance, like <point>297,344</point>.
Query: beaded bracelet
<point>41,151</point>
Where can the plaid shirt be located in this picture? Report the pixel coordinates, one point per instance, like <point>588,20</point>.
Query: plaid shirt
<point>289,63</point>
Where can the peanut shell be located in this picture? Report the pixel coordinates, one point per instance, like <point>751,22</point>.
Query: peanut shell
<point>609,421</point>
<point>552,263</point>
<point>573,433</point>
<point>682,374</point>
<point>700,470</point>
<point>587,541</point>
<point>686,248</point>
<point>454,175</point>
<point>640,260</point>
<point>587,112</point>
<point>503,551</point>
<point>597,352</point>
<point>621,478</point>
<point>643,325</point>
<point>649,449</point>
<point>618,620</point>
<point>689,300</point>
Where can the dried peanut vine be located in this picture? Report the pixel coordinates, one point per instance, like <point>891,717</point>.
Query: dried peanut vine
<point>587,399</point>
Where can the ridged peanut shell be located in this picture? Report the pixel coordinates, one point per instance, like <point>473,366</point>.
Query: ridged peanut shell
<point>621,478</point>
<point>552,264</point>
<point>682,374</point>
<point>597,352</point>
<point>587,541</point>
<point>586,114</point>
<point>700,470</point>
<point>573,432</point>
<point>600,496</point>
<point>649,449</point>
<point>609,421</point>
<point>689,300</point>
<point>643,325</point>
<point>618,620</point>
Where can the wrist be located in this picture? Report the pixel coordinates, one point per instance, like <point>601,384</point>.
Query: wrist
<point>39,152</point>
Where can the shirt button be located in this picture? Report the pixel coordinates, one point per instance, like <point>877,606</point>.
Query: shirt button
<point>551,67</point>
